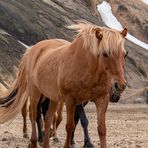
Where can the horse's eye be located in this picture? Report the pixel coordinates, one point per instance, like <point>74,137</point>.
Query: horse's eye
<point>126,54</point>
<point>105,54</point>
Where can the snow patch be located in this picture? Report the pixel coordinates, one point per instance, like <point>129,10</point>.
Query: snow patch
<point>111,21</point>
<point>24,44</point>
<point>145,1</point>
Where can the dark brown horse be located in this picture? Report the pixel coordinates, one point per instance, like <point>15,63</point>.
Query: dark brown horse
<point>75,73</point>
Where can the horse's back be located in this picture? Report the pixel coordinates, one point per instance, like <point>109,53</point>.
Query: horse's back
<point>43,61</point>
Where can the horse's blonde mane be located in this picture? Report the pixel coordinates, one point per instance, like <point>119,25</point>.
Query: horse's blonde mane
<point>111,42</point>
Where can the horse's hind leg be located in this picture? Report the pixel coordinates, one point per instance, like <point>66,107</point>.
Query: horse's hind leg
<point>60,113</point>
<point>45,106</point>
<point>48,121</point>
<point>24,114</point>
<point>57,120</point>
<point>84,123</point>
<point>34,99</point>
<point>39,122</point>
<point>53,130</point>
<point>80,114</point>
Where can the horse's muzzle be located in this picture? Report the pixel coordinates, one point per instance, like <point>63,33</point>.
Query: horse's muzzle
<point>116,91</point>
<point>119,88</point>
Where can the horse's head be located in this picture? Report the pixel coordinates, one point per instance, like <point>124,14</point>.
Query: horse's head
<point>111,59</point>
<point>107,46</point>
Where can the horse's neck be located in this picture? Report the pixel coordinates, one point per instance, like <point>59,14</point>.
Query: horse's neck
<point>81,53</point>
<point>91,62</point>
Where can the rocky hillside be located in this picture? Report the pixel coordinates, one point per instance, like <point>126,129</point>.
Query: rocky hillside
<point>134,15</point>
<point>33,20</point>
<point>10,53</point>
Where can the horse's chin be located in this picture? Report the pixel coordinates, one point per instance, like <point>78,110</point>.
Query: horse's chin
<point>114,96</point>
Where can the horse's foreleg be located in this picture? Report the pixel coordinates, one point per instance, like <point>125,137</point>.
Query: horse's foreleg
<point>48,121</point>
<point>24,114</point>
<point>101,105</point>
<point>76,120</point>
<point>84,123</point>
<point>70,107</point>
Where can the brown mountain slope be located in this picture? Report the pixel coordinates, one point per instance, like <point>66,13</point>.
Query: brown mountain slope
<point>30,21</point>
<point>10,53</point>
<point>134,15</point>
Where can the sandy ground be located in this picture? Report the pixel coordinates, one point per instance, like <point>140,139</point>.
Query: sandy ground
<point>127,127</point>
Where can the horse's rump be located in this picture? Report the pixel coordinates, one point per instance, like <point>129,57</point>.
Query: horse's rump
<point>13,100</point>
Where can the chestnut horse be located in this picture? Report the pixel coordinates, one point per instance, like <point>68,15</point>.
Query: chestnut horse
<point>78,72</point>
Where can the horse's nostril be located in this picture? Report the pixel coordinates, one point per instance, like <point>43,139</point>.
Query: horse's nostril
<point>117,86</point>
<point>124,86</point>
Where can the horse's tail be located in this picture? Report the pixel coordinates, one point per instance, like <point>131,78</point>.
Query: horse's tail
<point>12,102</point>
<point>9,95</point>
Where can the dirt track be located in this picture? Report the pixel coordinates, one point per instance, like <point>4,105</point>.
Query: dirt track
<point>127,127</point>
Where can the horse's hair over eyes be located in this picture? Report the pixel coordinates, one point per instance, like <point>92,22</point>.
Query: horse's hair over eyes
<point>126,54</point>
<point>106,55</point>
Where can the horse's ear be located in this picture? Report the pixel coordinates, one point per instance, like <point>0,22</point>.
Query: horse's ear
<point>98,34</point>
<point>124,32</point>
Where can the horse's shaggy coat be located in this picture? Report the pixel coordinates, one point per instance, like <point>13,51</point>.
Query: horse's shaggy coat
<point>83,70</point>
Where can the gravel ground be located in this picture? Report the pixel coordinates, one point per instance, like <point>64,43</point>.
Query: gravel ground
<point>127,127</point>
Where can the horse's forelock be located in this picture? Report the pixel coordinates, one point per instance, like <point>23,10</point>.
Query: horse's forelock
<point>112,40</point>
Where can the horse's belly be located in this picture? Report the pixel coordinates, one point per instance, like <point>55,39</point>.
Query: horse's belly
<point>46,80</point>
<point>87,94</point>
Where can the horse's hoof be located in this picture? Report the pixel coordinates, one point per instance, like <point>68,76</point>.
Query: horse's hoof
<point>56,139</point>
<point>68,146</point>
<point>72,142</point>
<point>74,145</point>
<point>40,144</point>
<point>88,144</point>
<point>28,145</point>
<point>52,133</point>
<point>31,145</point>
<point>25,135</point>
<point>40,140</point>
